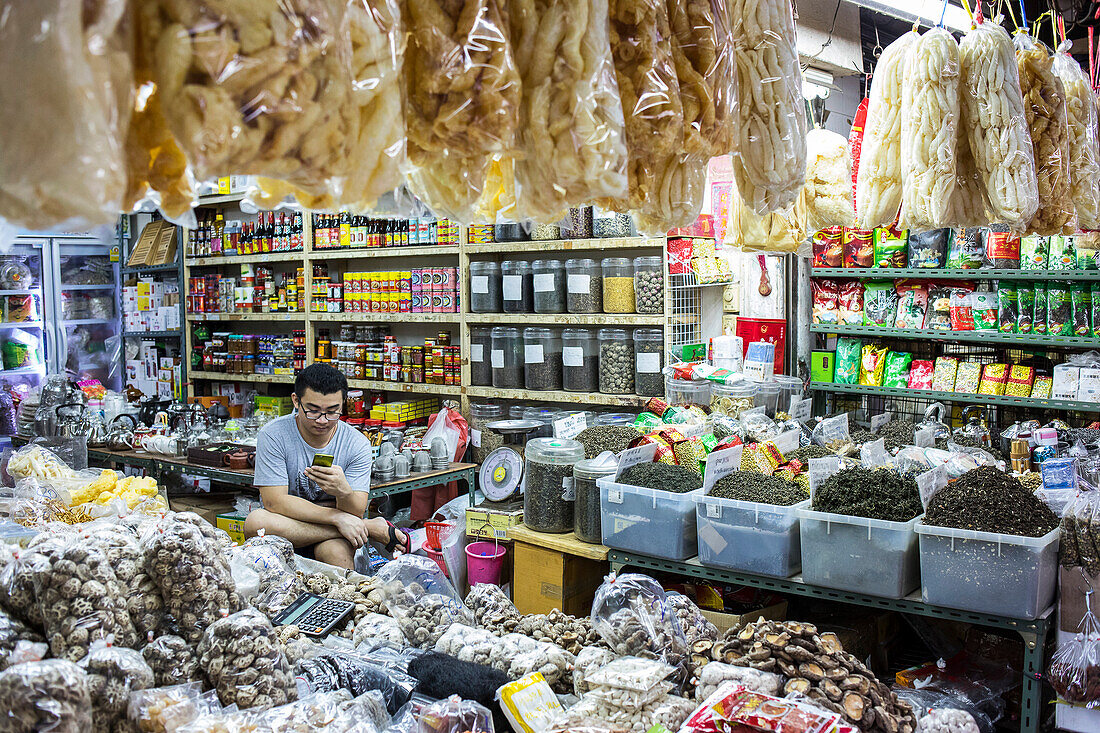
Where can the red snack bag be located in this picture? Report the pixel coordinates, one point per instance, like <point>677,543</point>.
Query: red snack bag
<point>826,301</point>
<point>850,301</point>
<point>855,139</point>
<point>828,247</point>
<point>859,247</point>
<point>920,374</point>
<point>734,708</point>
<point>962,310</point>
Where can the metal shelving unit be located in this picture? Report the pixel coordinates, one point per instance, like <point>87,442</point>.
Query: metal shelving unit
<point>172,334</point>
<point>1033,633</point>
<point>579,398</point>
<point>887,273</point>
<point>976,399</point>
<point>996,337</point>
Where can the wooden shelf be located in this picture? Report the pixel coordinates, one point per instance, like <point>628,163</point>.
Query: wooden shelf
<point>253,259</point>
<point>349,253</point>
<point>226,377</point>
<point>569,319</point>
<point>410,387</point>
<point>386,317</point>
<point>581,398</point>
<point>566,245</point>
<point>297,316</point>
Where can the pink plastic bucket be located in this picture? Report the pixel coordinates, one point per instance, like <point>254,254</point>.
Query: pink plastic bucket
<point>484,561</point>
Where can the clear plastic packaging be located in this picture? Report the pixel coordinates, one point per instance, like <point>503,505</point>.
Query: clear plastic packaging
<point>879,179</point>
<point>374,628</point>
<point>507,358</point>
<point>335,669</point>
<point>243,659</point>
<point>466,643</point>
<point>15,634</point>
<point>518,286</point>
<point>828,184</point>
<point>616,361</point>
<point>172,660</point>
<point>676,186</point>
<point>618,285</point>
<point>771,122</point>
<point>167,709</point>
<point>455,715</point>
<point>649,351</point>
<point>715,674</point>
<point>630,614</point>
<point>17,586</point>
<point>421,598</point>
<point>48,695</point>
<point>580,360</point>
<point>485,287</point>
<point>113,673</point>
<point>61,159</point>
<point>1045,110</point>
<point>1075,666</point>
<point>583,286</point>
<point>542,359</point>
<point>545,658</point>
<point>548,483</point>
<point>1084,149</point>
<point>781,231</point>
<point>492,609</point>
<point>630,673</point>
<point>994,119</point>
<point>929,128</point>
<point>692,621</point>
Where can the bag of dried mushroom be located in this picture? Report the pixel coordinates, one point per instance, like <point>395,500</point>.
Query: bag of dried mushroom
<point>572,134</point>
<point>48,695</point>
<point>123,550</point>
<point>422,600</point>
<point>112,674</point>
<point>243,659</point>
<point>64,109</point>
<point>631,615</point>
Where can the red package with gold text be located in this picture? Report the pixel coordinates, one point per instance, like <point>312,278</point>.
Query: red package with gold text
<point>859,247</point>
<point>732,707</point>
<point>828,247</point>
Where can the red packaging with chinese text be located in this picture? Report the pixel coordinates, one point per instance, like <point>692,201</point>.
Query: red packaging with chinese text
<point>828,247</point>
<point>920,374</point>
<point>732,707</point>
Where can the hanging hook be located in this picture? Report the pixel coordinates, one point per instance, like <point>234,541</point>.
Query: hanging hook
<point>877,50</point>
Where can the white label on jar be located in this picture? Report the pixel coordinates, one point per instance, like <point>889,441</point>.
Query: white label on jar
<point>532,353</point>
<point>475,438</point>
<point>477,352</point>
<point>497,357</point>
<point>544,283</point>
<point>572,356</point>
<point>479,284</point>
<point>579,283</point>
<point>649,363</point>
<point>513,287</point>
<point>568,493</point>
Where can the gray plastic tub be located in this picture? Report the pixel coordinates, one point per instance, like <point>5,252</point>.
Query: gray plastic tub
<point>749,536</point>
<point>648,521</point>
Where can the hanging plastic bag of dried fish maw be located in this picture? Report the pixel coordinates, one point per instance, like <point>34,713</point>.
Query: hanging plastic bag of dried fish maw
<point>675,195</point>
<point>1045,110</point>
<point>641,48</point>
<point>258,88</point>
<point>828,186</point>
<point>996,125</point>
<point>1084,166</point>
<point>780,232</point>
<point>969,204</point>
<point>64,109</point>
<point>462,97</point>
<point>878,181</point>
<point>378,148</point>
<point>770,151</point>
<point>929,126</point>
<point>572,133</point>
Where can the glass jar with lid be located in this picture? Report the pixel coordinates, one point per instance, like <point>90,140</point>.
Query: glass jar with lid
<point>481,346</point>
<point>648,362</point>
<point>616,361</point>
<point>485,287</point>
<point>545,416</point>
<point>687,391</point>
<point>649,285</point>
<point>586,499</point>
<point>583,286</point>
<point>767,396</point>
<point>548,485</point>
<point>614,418</point>
<point>483,441</point>
<point>618,285</point>
<point>506,357</point>
<point>549,286</point>
<point>580,360</point>
<point>542,359</point>
<point>517,288</point>
<point>733,398</point>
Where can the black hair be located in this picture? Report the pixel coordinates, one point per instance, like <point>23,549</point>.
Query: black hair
<point>322,379</point>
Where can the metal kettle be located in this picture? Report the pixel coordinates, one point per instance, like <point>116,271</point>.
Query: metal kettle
<point>72,421</point>
<point>97,433</point>
<point>120,436</point>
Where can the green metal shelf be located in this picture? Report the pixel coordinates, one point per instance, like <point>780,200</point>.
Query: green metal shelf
<point>1033,633</point>
<point>977,399</point>
<point>941,274</point>
<point>1023,339</point>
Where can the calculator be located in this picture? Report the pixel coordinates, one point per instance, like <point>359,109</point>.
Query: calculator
<point>315,615</point>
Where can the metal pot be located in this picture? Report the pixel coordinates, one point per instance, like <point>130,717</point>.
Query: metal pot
<point>120,436</point>
<point>72,421</point>
<point>97,433</point>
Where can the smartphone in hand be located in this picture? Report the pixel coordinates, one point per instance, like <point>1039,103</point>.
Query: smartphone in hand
<point>322,459</point>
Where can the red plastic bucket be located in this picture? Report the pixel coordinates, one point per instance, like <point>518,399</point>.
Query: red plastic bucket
<point>437,556</point>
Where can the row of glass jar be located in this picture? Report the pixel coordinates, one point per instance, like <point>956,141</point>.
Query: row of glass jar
<point>608,360</point>
<point>484,440</point>
<point>613,285</point>
<point>738,395</point>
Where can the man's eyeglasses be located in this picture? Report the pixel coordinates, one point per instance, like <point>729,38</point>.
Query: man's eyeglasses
<point>321,414</point>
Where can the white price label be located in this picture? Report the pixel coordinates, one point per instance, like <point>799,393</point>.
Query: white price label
<point>579,283</point>
<point>874,453</point>
<point>787,441</point>
<point>532,353</point>
<point>633,456</point>
<point>720,463</point>
<point>801,410</point>
<point>477,352</point>
<point>925,438</point>
<point>513,287</point>
<point>497,358</point>
<point>544,283</point>
<point>615,496</point>
<point>570,426</point>
<point>479,284</point>
<point>877,421</point>
<point>714,510</point>
<point>475,438</point>
<point>572,356</point>
<point>648,363</point>
<point>568,493</point>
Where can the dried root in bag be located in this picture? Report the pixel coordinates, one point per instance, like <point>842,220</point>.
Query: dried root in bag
<point>879,179</point>
<point>64,111</point>
<point>828,186</point>
<point>929,128</point>
<point>113,673</point>
<point>996,124</point>
<point>1084,153</point>
<point>172,660</point>
<point>572,132</point>
<point>1045,110</point>
<point>49,695</point>
<point>770,127</point>
<point>243,659</point>
<point>702,49</point>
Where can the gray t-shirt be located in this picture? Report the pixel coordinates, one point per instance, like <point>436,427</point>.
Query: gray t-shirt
<point>282,457</point>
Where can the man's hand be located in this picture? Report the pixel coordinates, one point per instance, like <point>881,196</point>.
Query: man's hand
<point>330,479</point>
<point>353,529</point>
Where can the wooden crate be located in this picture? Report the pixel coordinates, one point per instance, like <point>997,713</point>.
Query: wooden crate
<point>555,571</point>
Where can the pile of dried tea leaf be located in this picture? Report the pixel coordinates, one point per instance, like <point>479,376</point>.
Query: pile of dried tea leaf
<point>877,494</point>
<point>987,500</point>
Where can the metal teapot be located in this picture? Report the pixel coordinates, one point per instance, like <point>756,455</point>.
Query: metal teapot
<point>72,420</point>
<point>97,433</point>
<point>120,436</point>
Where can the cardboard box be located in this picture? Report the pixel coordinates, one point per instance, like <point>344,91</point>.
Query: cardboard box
<point>207,507</point>
<point>545,579</point>
<point>492,522</point>
<point>233,524</point>
<point>726,621</point>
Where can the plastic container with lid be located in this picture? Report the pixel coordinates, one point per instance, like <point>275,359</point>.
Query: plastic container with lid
<point>485,287</point>
<point>749,536</point>
<point>767,395</point>
<point>614,418</point>
<point>506,357</point>
<point>649,285</point>
<point>481,346</point>
<point>648,362</point>
<point>482,441</point>
<point>789,388</point>
<point>586,504</point>
<point>517,287</point>
<point>580,360</point>
<point>542,359</point>
<point>583,286</point>
<point>515,412</point>
<point>618,285</point>
<point>616,361</point>
<point>548,485</point>
<point>687,392</point>
<point>549,286</point>
<point>653,522</point>
<point>545,417</point>
<point>733,398</point>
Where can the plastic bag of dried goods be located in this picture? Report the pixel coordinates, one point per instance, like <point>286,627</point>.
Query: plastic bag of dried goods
<point>995,123</point>
<point>631,614</point>
<point>1045,110</point>
<point>1084,154</point>
<point>929,130</point>
<point>572,130</point>
<point>770,126</point>
<point>17,640</point>
<point>164,709</point>
<point>112,674</point>
<point>1076,663</point>
<point>244,661</point>
<point>969,204</point>
<point>782,231</point>
<point>421,598</point>
<point>675,195</point>
<point>828,185</point>
<point>879,178</point>
<point>64,110</point>
<point>51,694</point>
<point>702,49</point>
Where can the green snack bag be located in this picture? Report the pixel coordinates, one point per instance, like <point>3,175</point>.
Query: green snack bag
<point>1039,312</point>
<point>1059,310</point>
<point>890,247</point>
<point>849,352</point>
<point>880,303</point>
<point>1006,308</point>
<point>1087,259</point>
<point>985,310</point>
<point>1081,301</point>
<point>1033,253</point>
<point>1025,300</point>
<point>1094,313</point>
<point>897,369</point>
<point>1062,254</point>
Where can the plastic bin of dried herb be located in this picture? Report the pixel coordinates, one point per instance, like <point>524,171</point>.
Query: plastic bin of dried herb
<point>987,500</point>
<point>758,487</point>
<point>806,452</point>
<point>875,494</point>
<point>663,476</point>
<point>895,433</point>
<point>598,438</point>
